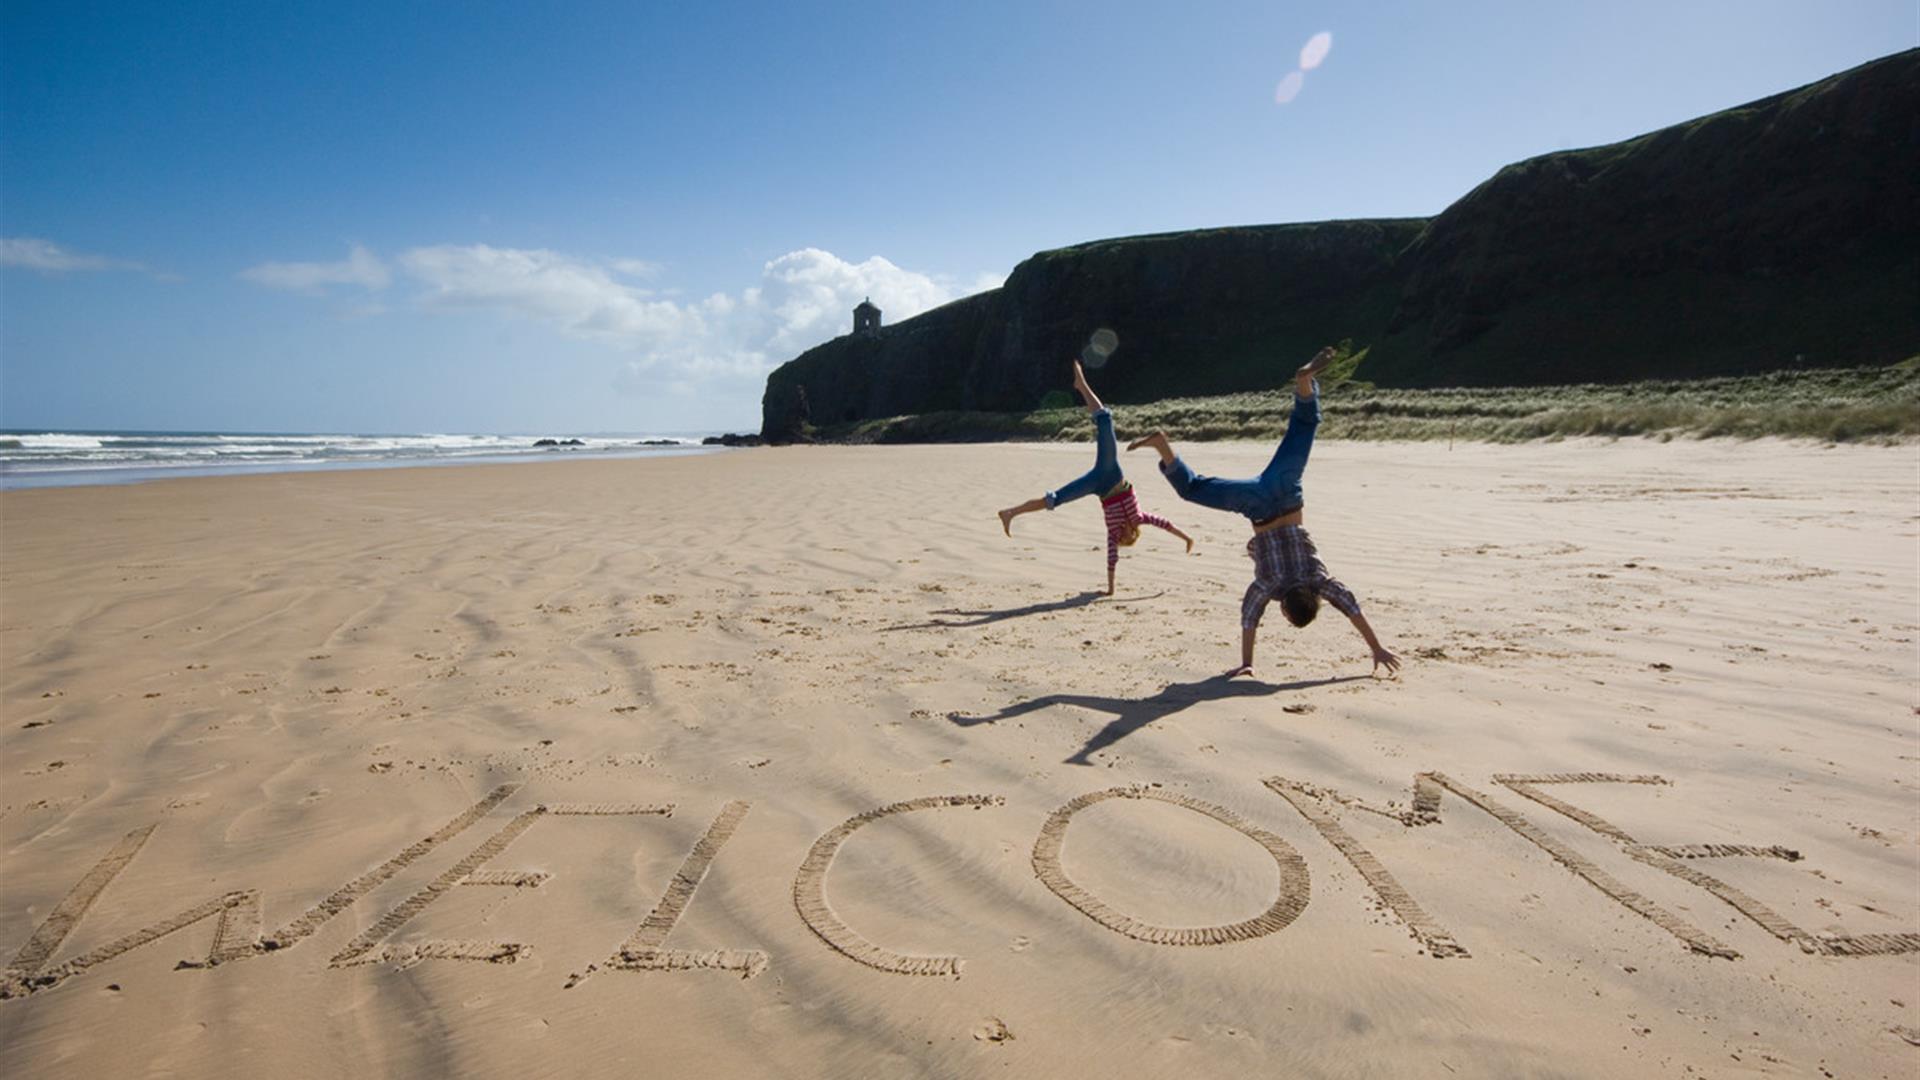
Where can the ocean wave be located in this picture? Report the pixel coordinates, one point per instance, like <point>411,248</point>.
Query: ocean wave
<point>52,440</point>
<point>26,454</point>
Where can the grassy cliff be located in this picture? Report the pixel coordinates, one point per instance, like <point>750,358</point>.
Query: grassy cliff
<point>1862,404</point>
<point>1783,233</point>
<point>1779,235</point>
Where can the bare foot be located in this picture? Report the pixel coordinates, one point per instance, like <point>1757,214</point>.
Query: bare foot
<point>1006,522</point>
<point>1189,545</point>
<point>1243,669</point>
<point>1304,382</point>
<point>1157,440</point>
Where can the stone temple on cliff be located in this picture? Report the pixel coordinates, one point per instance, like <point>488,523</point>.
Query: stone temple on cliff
<point>866,318</point>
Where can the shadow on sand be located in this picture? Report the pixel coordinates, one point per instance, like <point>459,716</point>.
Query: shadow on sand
<point>982,618</point>
<point>1132,714</point>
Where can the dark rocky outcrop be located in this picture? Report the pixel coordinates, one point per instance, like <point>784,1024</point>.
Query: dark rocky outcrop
<point>558,442</point>
<point>1780,233</point>
<point>912,366</point>
<point>731,439</point>
<point>1196,312</point>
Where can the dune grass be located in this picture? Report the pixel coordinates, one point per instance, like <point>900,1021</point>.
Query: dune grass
<point>1869,404</point>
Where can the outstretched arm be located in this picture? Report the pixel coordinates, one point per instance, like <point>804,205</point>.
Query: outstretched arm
<point>1246,653</point>
<point>1160,522</point>
<point>1344,602</point>
<point>1252,606</point>
<point>1381,656</point>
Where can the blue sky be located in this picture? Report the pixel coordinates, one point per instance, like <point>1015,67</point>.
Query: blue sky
<point>575,217</point>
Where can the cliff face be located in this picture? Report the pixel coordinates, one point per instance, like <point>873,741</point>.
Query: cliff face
<point>1785,232</point>
<point>1777,234</point>
<point>1197,313</point>
<point>1200,312</point>
<point>919,365</point>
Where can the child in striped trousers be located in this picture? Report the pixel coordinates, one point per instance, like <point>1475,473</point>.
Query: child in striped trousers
<point>1121,508</point>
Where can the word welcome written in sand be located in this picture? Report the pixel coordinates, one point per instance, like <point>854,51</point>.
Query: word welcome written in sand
<point>237,934</point>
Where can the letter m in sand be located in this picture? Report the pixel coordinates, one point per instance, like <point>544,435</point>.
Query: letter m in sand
<point>1428,788</point>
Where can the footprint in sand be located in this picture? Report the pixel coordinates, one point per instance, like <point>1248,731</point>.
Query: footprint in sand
<point>992,1029</point>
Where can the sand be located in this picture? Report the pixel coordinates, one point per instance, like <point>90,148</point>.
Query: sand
<point>786,762</point>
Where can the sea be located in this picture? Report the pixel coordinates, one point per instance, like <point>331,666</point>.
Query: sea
<point>37,459</point>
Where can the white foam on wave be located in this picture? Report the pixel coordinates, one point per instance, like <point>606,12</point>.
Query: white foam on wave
<point>46,453</point>
<point>55,441</point>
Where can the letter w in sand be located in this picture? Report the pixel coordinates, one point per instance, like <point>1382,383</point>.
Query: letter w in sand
<point>236,935</point>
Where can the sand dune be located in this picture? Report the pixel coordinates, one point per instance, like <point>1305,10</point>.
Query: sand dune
<point>726,765</point>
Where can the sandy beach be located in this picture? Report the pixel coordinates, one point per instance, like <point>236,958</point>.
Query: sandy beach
<point>787,762</point>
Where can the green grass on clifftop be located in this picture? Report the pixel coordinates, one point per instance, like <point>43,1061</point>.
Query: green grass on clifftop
<point>1876,404</point>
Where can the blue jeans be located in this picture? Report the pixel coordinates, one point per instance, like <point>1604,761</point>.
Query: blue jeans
<point>1276,490</point>
<point>1106,473</point>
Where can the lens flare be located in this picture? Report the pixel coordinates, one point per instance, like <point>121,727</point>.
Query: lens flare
<point>1315,51</point>
<point>1289,88</point>
<point>1099,347</point>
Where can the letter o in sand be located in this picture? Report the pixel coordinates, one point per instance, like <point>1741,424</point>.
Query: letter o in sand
<point>1294,886</point>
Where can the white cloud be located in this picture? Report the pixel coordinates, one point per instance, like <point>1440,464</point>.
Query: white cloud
<point>47,257</point>
<point>801,299</point>
<point>639,268</point>
<point>674,345</point>
<point>361,267</point>
<point>811,295</point>
<point>580,297</point>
